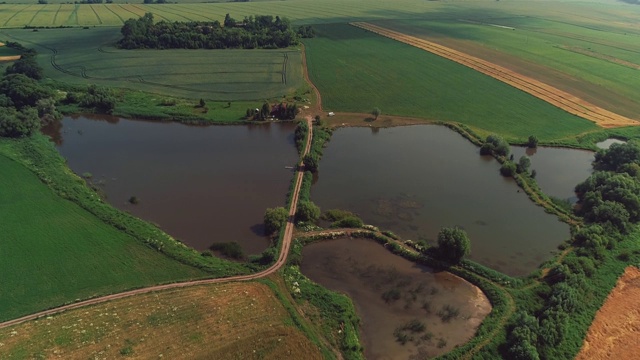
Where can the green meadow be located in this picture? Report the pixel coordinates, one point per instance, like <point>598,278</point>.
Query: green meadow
<point>356,70</point>
<point>54,252</point>
<point>83,56</point>
<point>581,58</point>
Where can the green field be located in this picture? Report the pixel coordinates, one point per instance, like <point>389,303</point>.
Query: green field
<point>83,56</point>
<point>54,252</point>
<point>300,11</point>
<point>577,57</point>
<point>356,71</point>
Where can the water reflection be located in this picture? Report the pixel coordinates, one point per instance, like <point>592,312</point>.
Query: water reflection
<point>390,292</point>
<point>200,184</point>
<point>558,170</point>
<point>414,180</point>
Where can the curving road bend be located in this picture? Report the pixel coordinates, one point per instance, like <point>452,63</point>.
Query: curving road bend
<point>282,259</point>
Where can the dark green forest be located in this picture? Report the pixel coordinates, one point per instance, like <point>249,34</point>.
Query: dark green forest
<point>253,32</point>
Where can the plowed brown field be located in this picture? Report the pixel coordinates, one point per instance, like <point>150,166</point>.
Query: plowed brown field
<point>550,94</point>
<point>615,331</point>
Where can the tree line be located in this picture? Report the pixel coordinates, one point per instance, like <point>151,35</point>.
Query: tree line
<point>253,32</point>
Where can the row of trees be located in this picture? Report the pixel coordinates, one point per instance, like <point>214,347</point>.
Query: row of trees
<point>261,31</point>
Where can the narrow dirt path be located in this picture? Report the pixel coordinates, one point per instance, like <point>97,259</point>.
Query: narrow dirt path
<point>550,94</point>
<point>282,259</point>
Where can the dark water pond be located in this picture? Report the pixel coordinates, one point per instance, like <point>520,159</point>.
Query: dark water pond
<point>414,180</point>
<point>390,292</point>
<point>202,185</point>
<point>558,170</point>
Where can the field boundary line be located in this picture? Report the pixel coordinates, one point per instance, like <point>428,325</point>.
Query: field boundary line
<point>281,261</point>
<point>565,101</point>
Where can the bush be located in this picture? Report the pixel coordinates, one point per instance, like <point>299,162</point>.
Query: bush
<point>508,168</point>
<point>348,222</point>
<point>307,211</point>
<point>229,249</point>
<point>17,124</point>
<point>275,219</point>
<point>453,244</point>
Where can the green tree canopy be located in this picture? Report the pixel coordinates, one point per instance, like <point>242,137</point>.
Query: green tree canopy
<point>307,211</point>
<point>495,145</point>
<point>15,123</point>
<point>453,244</point>
<point>23,90</point>
<point>275,219</point>
<point>310,162</point>
<point>27,66</point>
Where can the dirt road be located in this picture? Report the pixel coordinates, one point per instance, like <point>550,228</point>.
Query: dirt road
<point>282,259</point>
<point>550,94</point>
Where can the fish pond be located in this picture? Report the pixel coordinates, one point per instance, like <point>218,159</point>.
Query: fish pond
<point>406,310</point>
<point>200,184</point>
<point>414,180</point>
<point>558,170</point>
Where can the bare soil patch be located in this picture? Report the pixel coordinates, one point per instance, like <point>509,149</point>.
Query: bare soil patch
<point>615,331</point>
<point>222,321</point>
<point>548,93</point>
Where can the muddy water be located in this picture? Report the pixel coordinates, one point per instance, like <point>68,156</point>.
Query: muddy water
<point>558,170</point>
<point>414,180</point>
<point>201,185</point>
<point>365,271</point>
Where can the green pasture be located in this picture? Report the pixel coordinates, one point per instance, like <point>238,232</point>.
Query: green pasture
<point>356,70</point>
<point>54,252</point>
<point>591,57</point>
<point>83,56</point>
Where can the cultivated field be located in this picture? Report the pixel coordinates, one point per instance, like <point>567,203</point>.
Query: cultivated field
<point>228,321</point>
<point>356,70</point>
<point>554,96</point>
<point>84,56</point>
<point>581,56</point>
<point>54,252</point>
<point>301,11</point>
<point>615,332</point>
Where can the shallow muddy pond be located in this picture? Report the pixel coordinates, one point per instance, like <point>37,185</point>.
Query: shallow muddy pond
<point>414,180</point>
<point>202,185</point>
<point>558,170</point>
<point>391,293</point>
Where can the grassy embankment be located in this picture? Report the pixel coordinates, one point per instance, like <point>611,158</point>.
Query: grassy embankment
<point>236,320</point>
<point>62,243</point>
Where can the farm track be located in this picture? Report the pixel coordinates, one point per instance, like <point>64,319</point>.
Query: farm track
<point>282,259</point>
<point>14,15</point>
<point>556,97</point>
